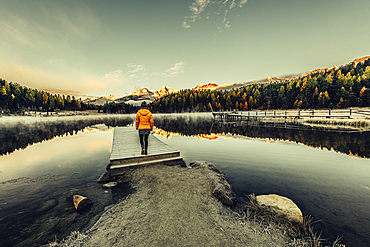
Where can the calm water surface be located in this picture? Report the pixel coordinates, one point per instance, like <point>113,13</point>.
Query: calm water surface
<point>332,186</point>
<point>38,180</point>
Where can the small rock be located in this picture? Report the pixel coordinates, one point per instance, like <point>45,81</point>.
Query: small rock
<point>281,205</point>
<point>110,184</point>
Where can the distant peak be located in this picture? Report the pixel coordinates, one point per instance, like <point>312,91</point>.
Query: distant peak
<point>142,91</point>
<point>165,90</point>
<point>209,86</point>
<point>111,97</point>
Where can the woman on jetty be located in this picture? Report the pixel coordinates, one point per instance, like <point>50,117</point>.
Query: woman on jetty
<point>144,123</point>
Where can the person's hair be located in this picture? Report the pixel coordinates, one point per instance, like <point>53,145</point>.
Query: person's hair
<point>143,104</point>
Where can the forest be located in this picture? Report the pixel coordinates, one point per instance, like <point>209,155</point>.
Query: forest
<point>15,98</point>
<point>339,87</point>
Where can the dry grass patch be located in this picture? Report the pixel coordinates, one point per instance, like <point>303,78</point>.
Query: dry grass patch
<point>302,234</point>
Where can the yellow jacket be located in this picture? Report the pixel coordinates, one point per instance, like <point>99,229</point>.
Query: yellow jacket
<point>144,119</point>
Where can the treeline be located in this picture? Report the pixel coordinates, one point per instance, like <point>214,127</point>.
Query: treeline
<point>113,107</point>
<point>17,98</point>
<point>342,87</point>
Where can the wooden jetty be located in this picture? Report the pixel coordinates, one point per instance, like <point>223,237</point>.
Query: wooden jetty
<point>126,151</point>
<point>256,115</point>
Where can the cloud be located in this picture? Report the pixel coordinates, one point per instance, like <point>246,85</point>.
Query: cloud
<point>176,69</point>
<point>242,2</point>
<point>134,73</point>
<point>186,25</point>
<point>196,8</point>
<point>135,69</point>
<point>199,6</point>
<point>138,72</point>
<point>232,4</point>
<point>114,75</point>
<point>198,11</point>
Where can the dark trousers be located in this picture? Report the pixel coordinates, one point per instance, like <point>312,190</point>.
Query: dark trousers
<point>144,141</point>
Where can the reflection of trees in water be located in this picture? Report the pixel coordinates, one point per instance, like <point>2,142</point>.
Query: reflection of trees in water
<point>356,143</point>
<point>20,135</point>
<point>185,126</point>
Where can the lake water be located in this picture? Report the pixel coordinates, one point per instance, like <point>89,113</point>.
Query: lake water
<point>326,173</point>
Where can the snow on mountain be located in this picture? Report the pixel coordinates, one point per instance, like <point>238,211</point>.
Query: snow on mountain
<point>164,91</point>
<point>89,99</point>
<point>97,100</point>
<point>141,92</point>
<point>209,86</point>
<point>111,97</point>
<point>214,86</point>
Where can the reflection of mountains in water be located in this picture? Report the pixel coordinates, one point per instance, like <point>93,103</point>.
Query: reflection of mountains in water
<point>354,143</point>
<point>20,135</point>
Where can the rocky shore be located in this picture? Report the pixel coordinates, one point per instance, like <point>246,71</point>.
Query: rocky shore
<point>178,206</point>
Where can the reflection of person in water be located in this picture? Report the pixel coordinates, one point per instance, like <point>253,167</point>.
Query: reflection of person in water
<point>144,123</point>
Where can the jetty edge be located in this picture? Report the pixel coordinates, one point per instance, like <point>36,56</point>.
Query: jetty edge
<point>126,153</point>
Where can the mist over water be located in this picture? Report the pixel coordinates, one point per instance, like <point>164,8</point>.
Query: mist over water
<point>44,161</point>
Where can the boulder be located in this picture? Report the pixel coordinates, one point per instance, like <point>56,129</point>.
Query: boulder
<point>81,203</point>
<point>281,205</point>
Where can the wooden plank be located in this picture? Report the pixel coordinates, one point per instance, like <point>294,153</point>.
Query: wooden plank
<point>151,162</point>
<point>126,150</point>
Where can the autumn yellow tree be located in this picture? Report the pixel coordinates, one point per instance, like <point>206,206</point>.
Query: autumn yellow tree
<point>362,91</point>
<point>251,101</point>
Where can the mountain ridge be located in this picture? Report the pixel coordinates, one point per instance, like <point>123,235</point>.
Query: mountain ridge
<point>135,98</point>
<point>144,93</point>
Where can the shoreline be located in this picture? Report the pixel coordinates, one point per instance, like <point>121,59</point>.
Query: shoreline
<point>177,206</point>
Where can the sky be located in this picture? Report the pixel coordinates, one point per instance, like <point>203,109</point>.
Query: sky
<point>101,47</point>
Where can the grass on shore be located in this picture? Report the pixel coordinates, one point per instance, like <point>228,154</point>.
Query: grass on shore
<point>75,239</point>
<point>356,123</point>
<point>302,234</point>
